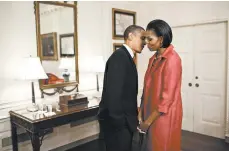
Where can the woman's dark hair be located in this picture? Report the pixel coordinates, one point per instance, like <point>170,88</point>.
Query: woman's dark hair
<point>161,28</point>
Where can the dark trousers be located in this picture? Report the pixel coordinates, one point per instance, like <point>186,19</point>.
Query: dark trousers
<point>116,139</point>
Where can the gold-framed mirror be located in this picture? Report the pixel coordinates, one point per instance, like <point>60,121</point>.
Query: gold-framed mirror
<point>57,43</point>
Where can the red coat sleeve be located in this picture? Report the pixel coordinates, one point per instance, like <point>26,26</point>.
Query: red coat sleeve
<point>171,77</point>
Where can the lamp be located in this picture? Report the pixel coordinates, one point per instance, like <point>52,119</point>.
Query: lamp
<point>66,64</point>
<point>32,71</point>
<point>92,64</point>
<point>97,67</point>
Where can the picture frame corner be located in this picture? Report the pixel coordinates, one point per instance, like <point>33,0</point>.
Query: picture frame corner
<point>114,28</point>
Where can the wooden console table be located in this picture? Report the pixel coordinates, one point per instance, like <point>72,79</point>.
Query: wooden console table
<point>37,127</point>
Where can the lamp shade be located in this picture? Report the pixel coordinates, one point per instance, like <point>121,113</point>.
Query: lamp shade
<point>32,69</point>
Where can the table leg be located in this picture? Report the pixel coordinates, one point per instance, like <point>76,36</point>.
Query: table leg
<point>35,140</point>
<point>14,136</point>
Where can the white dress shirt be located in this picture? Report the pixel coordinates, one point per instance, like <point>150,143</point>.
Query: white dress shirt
<point>129,50</point>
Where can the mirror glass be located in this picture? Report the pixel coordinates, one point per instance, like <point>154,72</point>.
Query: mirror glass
<point>57,43</point>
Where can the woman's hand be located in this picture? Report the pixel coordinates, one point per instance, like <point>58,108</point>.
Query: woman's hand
<point>144,126</point>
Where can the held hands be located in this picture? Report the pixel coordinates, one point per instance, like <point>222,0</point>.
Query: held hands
<point>144,126</point>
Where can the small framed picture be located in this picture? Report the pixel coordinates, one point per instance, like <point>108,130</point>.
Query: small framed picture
<point>67,45</point>
<point>49,46</point>
<point>117,46</point>
<point>121,19</point>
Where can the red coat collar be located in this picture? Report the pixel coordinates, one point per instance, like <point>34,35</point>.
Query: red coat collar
<point>168,51</point>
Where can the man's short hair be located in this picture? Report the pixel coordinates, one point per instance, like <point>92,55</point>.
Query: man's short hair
<point>132,29</point>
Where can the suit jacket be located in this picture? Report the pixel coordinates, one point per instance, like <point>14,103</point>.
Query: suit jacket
<point>118,105</point>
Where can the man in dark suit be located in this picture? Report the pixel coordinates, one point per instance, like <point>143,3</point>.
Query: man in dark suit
<point>118,107</point>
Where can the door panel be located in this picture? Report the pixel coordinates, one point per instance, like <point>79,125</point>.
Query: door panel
<point>182,41</point>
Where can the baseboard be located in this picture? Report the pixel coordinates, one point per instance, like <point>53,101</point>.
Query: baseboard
<point>76,143</point>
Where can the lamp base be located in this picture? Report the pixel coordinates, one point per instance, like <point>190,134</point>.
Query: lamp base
<point>97,95</point>
<point>32,108</point>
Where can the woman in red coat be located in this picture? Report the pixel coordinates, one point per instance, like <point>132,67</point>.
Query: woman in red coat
<point>161,108</point>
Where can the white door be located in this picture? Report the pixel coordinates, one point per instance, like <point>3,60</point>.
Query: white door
<point>184,47</point>
<point>203,50</point>
<point>210,74</point>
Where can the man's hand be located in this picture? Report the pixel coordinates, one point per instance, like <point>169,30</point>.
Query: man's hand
<point>141,130</point>
<point>140,116</point>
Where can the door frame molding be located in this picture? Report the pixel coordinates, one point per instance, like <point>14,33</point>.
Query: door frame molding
<point>224,20</point>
